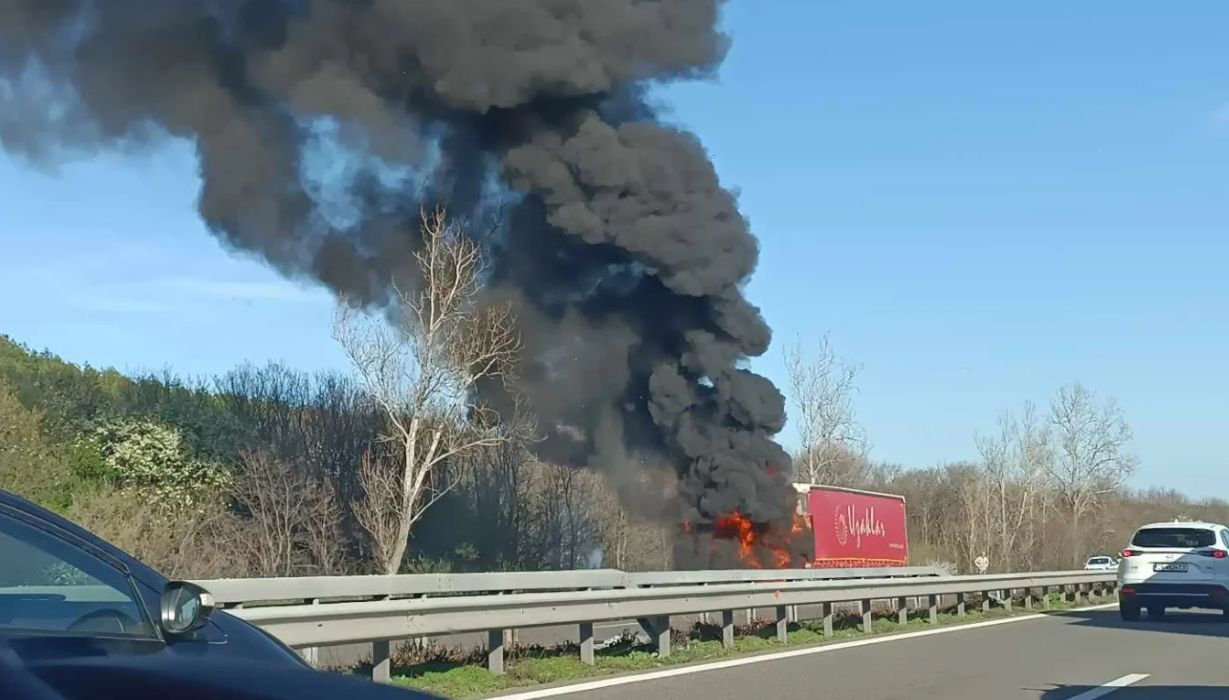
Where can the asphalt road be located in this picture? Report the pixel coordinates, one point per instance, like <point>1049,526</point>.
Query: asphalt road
<point>1067,657</point>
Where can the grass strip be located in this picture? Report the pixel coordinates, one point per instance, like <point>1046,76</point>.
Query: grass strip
<point>463,679</point>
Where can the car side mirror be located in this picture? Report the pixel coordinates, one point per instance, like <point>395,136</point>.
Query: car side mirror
<point>185,608</point>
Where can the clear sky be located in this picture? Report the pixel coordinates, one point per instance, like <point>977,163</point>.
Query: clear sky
<point>979,202</point>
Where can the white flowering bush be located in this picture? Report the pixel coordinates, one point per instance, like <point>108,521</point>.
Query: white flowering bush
<point>151,458</point>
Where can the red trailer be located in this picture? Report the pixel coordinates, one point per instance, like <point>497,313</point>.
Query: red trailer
<point>855,528</point>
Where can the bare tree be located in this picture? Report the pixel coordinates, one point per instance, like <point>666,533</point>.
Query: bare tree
<point>1091,459</point>
<point>833,444</point>
<point>288,524</point>
<point>422,364</point>
<point>1014,464</point>
<point>379,510</point>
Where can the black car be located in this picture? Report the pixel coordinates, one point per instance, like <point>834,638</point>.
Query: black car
<point>81,618</point>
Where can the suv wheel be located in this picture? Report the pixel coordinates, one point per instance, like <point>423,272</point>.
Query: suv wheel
<point>1129,611</point>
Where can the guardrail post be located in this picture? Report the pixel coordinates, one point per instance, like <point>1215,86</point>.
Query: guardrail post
<point>312,654</point>
<point>825,612</point>
<point>495,651</point>
<point>933,611</point>
<point>960,604</point>
<point>662,642</point>
<point>782,624</point>
<point>586,643</point>
<point>658,629</point>
<point>1006,593</point>
<point>867,617</point>
<point>727,629</point>
<point>1045,597</point>
<point>1080,597</point>
<point>985,601</point>
<point>902,611</point>
<point>381,662</point>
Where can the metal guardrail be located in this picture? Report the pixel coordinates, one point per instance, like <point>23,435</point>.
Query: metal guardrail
<point>378,609</point>
<point>249,592</point>
<point>321,589</point>
<point>682,578</point>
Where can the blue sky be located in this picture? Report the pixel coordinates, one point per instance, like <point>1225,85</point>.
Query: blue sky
<point>979,202</point>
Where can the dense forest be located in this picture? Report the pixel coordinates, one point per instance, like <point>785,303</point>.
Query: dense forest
<point>259,472</point>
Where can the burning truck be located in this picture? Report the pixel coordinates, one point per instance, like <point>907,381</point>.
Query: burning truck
<point>832,528</point>
<point>852,528</point>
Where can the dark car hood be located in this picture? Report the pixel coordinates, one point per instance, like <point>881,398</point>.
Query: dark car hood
<point>135,677</point>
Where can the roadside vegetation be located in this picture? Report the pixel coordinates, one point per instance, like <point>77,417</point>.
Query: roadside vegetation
<point>457,673</point>
<point>124,455</point>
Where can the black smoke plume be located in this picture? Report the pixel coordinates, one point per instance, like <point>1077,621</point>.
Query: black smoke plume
<point>615,239</point>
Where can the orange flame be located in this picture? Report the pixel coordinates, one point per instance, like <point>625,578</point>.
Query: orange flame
<point>759,545</point>
<point>737,526</point>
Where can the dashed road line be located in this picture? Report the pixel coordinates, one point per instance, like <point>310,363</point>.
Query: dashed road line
<point>1107,688</point>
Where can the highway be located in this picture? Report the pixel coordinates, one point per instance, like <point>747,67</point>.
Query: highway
<point>1075,656</point>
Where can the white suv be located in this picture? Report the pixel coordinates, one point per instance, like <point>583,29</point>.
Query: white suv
<point>1174,565</point>
<point>1100,564</point>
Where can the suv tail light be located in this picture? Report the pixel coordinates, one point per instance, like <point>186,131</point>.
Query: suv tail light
<point>1129,553</point>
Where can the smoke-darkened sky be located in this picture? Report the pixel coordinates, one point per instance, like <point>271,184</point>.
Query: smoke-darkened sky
<point>975,221</point>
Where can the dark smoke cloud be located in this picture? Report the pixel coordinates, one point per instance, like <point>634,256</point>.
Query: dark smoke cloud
<point>616,241</point>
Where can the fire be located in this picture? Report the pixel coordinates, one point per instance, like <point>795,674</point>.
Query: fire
<point>759,545</point>
<point>737,526</point>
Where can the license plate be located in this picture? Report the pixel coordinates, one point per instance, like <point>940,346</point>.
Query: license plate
<point>1170,568</point>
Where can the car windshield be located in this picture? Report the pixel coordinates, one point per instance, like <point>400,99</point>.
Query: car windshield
<point>49,586</point>
<point>1174,537</point>
<point>1099,560</point>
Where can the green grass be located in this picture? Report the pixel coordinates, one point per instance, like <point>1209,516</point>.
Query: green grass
<point>463,678</point>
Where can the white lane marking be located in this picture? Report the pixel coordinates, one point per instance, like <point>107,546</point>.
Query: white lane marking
<point>747,660</point>
<point>1106,689</point>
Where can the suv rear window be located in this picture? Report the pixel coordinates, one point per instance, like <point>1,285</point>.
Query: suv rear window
<point>1174,537</point>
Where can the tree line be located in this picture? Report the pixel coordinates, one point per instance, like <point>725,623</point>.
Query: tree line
<point>286,457</point>
<point>1048,491</point>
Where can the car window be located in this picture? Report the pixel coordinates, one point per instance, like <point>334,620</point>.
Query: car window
<point>50,585</point>
<point>1224,537</point>
<point>1099,560</point>
<point>1174,537</point>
